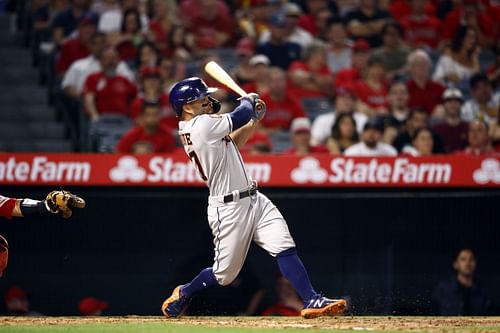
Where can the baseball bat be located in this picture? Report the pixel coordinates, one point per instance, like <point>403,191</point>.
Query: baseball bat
<point>220,75</point>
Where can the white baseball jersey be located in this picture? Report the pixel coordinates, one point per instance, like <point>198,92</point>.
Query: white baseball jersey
<point>237,223</point>
<point>218,161</point>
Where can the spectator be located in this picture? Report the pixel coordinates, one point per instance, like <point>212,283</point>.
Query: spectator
<point>461,294</point>
<point>244,72</point>
<point>65,22</point>
<point>103,6</point>
<point>180,43</point>
<point>471,14</point>
<point>77,47</point>
<point>367,22</point>
<point>107,91</point>
<point>260,68</point>
<point>315,21</point>
<point>91,306</point>
<point>344,134</point>
<point>151,92</point>
<point>300,133</point>
<point>190,10</point>
<point>393,52</point>
<point>402,8</point>
<point>258,143</point>
<point>345,102</point>
<point>17,302</point>
<point>111,20</point>
<point>44,13</point>
<point>171,71</point>
<point>421,143</point>
<point>391,128</point>
<point>282,107</point>
<point>150,133</point>
<point>493,70</point>
<point>417,119</point>
<point>478,139</point>
<point>371,90</point>
<point>398,99</point>
<point>130,36</point>
<point>280,52</point>
<point>421,29</point>
<point>347,77</point>
<point>160,24</point>
<point>147,56</point>
<point>294,33</point>
<point>311,77</point>
<point>339,51</point>
<point>460,61</point>
<point>79,71</point>
<point>483,103</point>
<point>288,302</point>
<point>371,144</point>
<point>452,129</point>
<point>424,92</point>
<point>213,28</point>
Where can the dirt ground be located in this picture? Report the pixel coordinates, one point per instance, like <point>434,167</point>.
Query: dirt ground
<point>428,324</point>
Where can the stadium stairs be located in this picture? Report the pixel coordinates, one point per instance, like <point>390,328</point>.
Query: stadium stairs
<point>27,122</point>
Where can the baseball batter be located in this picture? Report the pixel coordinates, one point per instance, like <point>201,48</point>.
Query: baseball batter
<point>56,202</point>
<point>237,212</point>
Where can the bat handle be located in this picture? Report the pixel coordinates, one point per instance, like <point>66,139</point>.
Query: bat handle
<point>259,106</point>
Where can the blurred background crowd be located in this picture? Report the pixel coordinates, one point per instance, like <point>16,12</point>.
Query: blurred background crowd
<point>353,77</point>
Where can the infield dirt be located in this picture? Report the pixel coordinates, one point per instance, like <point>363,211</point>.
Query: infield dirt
<point>401,324</point>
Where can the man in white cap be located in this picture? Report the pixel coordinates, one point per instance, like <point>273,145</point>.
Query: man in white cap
<point>452,130</point>
<point>300,133</point>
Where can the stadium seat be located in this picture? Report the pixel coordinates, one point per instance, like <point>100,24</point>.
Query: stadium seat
<point>315,106</point>
<point>280,141</point>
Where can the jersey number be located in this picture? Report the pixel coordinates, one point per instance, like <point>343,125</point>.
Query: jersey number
<point>193,157</point>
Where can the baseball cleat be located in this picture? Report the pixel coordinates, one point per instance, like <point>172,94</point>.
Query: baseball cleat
<point>321,306</point>
<point>174,305</point>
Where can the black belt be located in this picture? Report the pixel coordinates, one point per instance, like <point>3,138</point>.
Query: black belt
<point>243,194</point>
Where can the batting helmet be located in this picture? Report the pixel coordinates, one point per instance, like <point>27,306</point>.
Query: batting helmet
<point>187,91</point>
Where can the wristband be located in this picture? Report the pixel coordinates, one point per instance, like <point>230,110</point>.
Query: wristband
<point>32,207</point>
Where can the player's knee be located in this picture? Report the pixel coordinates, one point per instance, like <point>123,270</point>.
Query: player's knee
<point>224,279</point>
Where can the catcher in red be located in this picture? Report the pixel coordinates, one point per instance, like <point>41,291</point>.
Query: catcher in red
<point>56,202</point>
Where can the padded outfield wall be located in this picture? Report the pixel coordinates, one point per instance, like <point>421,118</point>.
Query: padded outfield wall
<point>385,249</point>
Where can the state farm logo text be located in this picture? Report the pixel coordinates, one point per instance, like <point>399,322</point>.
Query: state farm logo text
<point>346,170</point>
<point>43,170</point>
<point>167,170</point>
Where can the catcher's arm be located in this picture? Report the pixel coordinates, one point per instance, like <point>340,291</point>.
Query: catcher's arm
<point>56,202</point>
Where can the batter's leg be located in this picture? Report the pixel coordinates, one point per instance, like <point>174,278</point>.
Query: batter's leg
<point>273,235</point>
<point>181,295</point>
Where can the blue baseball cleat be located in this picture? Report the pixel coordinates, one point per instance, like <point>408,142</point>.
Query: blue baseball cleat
<point>174,305</point>
<point>321,306</point>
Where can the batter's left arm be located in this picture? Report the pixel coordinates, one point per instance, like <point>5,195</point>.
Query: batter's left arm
<point>242,134</point>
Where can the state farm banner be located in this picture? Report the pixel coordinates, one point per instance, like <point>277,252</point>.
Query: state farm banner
<point>268,170</point>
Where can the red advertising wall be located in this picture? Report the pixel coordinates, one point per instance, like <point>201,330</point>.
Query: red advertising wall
<point>268,170</point>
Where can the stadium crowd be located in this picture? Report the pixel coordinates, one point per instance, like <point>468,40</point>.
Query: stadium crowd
<point>354,77</point>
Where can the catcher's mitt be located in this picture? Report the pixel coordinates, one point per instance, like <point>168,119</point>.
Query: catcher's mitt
<point>61,201</point>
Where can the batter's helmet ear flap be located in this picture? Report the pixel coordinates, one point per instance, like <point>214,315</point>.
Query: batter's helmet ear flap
<point>187,91</point>
<point>215,104</point>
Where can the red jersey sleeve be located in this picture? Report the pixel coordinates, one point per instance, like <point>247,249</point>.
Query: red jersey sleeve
<point>127,141</point>
<point>6,206</point>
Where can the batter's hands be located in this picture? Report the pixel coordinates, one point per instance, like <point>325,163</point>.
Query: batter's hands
<point>259,110</point>
<point>259,107</point>
<point>59,202</point>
